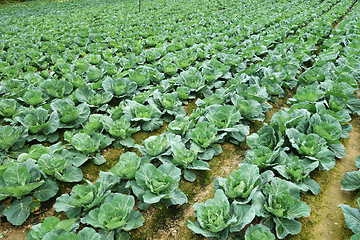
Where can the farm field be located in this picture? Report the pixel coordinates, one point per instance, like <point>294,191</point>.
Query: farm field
<point>207,119</point>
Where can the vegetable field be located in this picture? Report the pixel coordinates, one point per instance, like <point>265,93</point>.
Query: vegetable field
<point>192,119</point>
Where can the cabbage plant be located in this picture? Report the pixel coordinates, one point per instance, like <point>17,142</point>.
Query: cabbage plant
<point>40,123</point>
<point>169,103</point>
<point>57,88</point>
<point>204,134</point>
<point>242,185</point>
<point>216,218</point>
<point>281,205</point>
<point>83,198</point>
<point>19,180</point>
<point>180,125</point>
<point>127,166</point>
<point>297,170</point>
<point>147,116</point>
<point>115,216</point>
<point>33,97</point>
<point>258,231</point>
<point>53,228</point>
<point>187,159</point>
<point>313,147</point>
<point>120,87</point>
<point>92,97</point>
<point>71,116</point>
<point>264,157</point>
<point>268,136</point>
<point>227,119</point>
<point>250,109</point>
<point>8,107</point>
<point>120,129</point>
<point>61,166</point>
<point>156,147</point>
<point>12,137</point>
<point>192,79</point>
<point>88,143</point>
<point>152,185</point>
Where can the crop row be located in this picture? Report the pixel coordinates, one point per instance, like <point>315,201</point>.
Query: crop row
<point>297,141</point>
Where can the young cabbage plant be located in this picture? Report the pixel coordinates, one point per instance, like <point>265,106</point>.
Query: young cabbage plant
<point>227,119</point>
<point>120,129</point>
<point>250,110</point>
<point>53,228</point>
<point>308,93</point>
<point>180,125</point>
<point>140,76</point>
<point>127,166</point>
<point>92,97</point>
<point>120,87</point>
<point>168,103</point>
<point>19,180</point>
<point>187,159</point>
<point>264,157</point>
<point>219,97</point>
<point>204,134</point>
<point>191,79</point>
<point>297,170</point>
<point>147,116</point>
<point>37,150</point>
<point>257,232</point>
<point>216,218</point>
<point>313,147</point>
<point>352,218</point>
<point>71,116</point>
<point>13,88</point>
<point>61,165</point>
<point>329,128</point>
<point>83,198</point>
<point>13,137</point>
<point>242,185</point>
<point>268,136</point>
<point>33,97</point>
<point>156,147</point>
<point>89,143</point>
<point>115,216</point>
<point>290,119</point>
<point>254,91</point>
<point>281,205</point>
<point>8,107</point>
<point>42,125</point>
<point>152,55</point>
<point>213,70</point>
<point>152,185</point>
<point>95,123</point>
<point>57,88</point>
